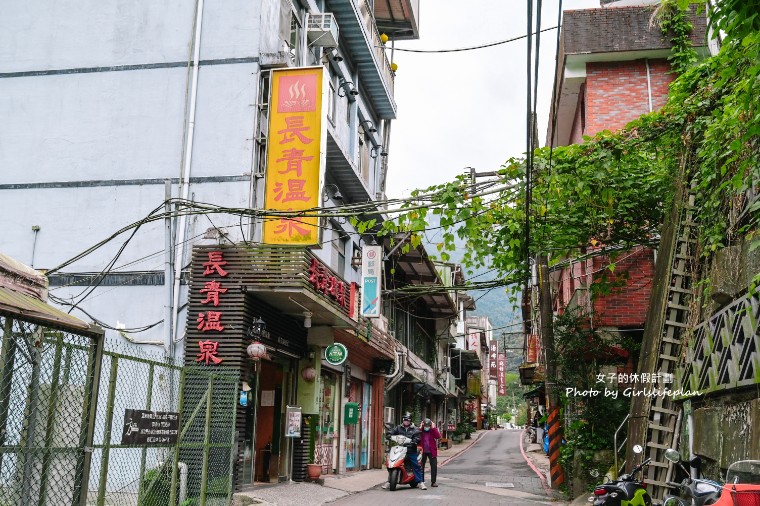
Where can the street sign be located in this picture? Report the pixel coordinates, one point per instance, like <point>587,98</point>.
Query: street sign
<point>372,268</point>
<point>149,427</point>
<point>336,354</point>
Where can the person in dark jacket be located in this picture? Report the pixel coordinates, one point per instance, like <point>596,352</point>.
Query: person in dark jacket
<point>407,429</point>
<point>429,440</point>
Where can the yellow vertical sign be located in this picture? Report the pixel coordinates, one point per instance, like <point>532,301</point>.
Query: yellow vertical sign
<point>296,145</point>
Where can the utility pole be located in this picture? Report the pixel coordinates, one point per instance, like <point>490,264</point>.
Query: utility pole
<point>547,340</point>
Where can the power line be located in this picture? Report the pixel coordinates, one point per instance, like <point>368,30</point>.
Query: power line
<point>481,46</point>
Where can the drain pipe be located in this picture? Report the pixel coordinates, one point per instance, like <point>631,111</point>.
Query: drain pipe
<point>649,85</point>
<point>184,182</point>
<point>182,482</point>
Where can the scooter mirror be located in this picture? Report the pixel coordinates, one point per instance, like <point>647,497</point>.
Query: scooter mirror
<point>673,455</point>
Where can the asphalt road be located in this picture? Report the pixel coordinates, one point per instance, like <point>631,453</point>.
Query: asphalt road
<point>492,471</point>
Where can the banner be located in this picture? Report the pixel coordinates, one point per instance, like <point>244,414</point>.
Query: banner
<point>372,268</point>
<point>295,154</point>
<point>493,352</point>
<point>502,378</point>
<point>473,341</point>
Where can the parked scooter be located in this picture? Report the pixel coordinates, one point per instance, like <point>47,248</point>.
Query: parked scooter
<point>399,469</point>
<point>625,491</point>
<point>691,491</point>
<point>742,487</point>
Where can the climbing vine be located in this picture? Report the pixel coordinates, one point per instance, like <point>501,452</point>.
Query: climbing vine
<point>612,192</point>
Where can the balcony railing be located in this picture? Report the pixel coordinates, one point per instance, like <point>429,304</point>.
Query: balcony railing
<point>368,19</point>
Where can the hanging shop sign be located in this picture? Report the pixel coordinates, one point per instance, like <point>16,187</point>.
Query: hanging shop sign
<point>210,320</point>
<point>149,428</point>
<point>493,355</point>
<point>293,425</point>
<point>502,379</point>
<point>372,268</point>
<point>336,354</point>
<point>296,154</point>
<point>473,341</point>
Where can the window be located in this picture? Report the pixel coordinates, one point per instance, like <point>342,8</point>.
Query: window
<point>339,243</point>
<point>294,42</point>
<point>262,124</point>
<point>364,156</point>
<point>357,253</point>
<point>331,102</point>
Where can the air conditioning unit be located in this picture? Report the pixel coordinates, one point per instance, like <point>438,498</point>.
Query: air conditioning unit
<point>322,30</point>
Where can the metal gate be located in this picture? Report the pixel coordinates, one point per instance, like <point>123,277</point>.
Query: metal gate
<point>63,399</point>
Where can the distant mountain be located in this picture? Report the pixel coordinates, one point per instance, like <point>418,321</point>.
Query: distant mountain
<point>493,303</point>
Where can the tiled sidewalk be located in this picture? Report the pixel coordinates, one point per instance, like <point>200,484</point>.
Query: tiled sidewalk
<point>334,486</point>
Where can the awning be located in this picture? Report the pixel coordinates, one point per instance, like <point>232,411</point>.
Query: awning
<point>468,359</point>
<point>32,309</point>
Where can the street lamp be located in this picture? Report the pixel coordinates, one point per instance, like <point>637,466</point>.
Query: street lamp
<point>257,330</point>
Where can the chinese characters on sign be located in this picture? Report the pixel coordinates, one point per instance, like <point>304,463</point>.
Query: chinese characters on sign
<point>493,352</point>
<point>502,378</point>
<point>294,155</point>
<point>372,262</point>
<point>293,417</point>
<point>328,285</point>
<point>473,341</point>
<point>211,321</point>
<point>149,427</point>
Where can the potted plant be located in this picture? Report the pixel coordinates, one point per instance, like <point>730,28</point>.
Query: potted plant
<point>465,428</point>
<point>313,471</point>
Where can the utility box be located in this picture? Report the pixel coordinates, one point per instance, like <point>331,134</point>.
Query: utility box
<point>351,413</point>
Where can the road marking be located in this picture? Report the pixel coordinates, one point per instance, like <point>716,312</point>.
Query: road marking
<point>499,485</point>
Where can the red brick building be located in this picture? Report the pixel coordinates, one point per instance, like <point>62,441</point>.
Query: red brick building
<point>612,68</point>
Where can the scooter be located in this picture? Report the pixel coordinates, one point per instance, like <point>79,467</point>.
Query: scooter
<point>399,469</point>
<point>625,491</point>
<point>742,487</point>
<point>691,491</point>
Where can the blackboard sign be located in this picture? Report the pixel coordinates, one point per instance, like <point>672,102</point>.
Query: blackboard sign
<point>149,427</point>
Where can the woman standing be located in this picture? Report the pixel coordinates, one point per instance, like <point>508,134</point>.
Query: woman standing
<point>429,441</point>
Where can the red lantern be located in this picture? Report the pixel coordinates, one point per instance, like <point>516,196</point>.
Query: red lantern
<point>309,373</point>
<point>256,350</point>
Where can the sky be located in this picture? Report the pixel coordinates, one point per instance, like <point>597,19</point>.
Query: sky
<point>467,109</point>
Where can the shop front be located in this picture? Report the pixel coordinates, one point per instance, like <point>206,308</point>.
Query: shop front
<point>269,313</point>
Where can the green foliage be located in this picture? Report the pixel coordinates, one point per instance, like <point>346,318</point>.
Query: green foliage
<point>590,438</point>
<point>464,428</point>
<point>613,190</point>
<point>676,26</point>
<point>156,486</point>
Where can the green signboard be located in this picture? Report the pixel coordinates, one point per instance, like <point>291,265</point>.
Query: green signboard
<point>351,413</point>
<point>336,354</point>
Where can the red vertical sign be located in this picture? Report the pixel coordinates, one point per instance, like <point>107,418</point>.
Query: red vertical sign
<point>502,385</point>
<point>493,352</point>
<point>211,320</point>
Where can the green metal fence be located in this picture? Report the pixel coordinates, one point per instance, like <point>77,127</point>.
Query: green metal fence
<point>46,379</point>
<point>63,399</point>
